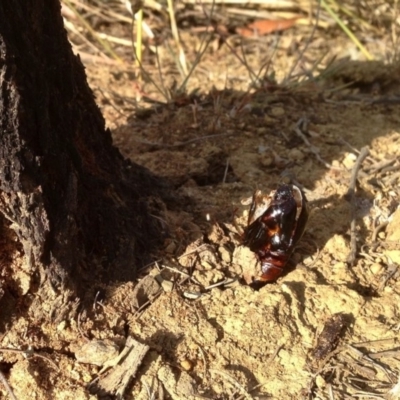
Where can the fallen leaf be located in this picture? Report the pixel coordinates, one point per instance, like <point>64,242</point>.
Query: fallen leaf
<point>265,26</point>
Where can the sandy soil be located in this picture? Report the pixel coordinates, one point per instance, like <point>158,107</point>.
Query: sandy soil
<point>215,148</point>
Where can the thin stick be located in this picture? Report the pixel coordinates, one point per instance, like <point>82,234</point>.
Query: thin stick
<point>174,28</point>
<point>312,148</point>
<point>308,42</point>
<point>347,31</point>
<point>30,353</point>
<point>359,355</point>
<point>377,229</point>
<point>352,198</point>
<point>7,386</point>
<point>226,171</point>
<point>201,51</point>
<point>139,30</point>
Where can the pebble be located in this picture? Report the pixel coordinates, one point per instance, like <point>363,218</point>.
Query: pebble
<point>320,382</point>
<point>266,161</point>
<point>186,364</point>
<point>376,268</point>
<point>225,255</point>
<point>277,111</point>
<point>349,160</point>
<point>296,154</point>
<point>96,352</point>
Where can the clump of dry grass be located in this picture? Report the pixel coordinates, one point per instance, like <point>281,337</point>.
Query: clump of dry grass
<point>147,36</point>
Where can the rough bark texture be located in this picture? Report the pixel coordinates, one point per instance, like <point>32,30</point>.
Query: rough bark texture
<point>76,205</point>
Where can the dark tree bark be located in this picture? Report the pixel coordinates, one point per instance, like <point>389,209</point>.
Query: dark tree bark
<point>78,208</point>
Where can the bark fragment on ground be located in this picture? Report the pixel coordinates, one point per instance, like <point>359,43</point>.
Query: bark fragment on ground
<point>116,381</point>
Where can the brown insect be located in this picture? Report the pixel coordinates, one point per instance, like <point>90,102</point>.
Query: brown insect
<point>275,225</point>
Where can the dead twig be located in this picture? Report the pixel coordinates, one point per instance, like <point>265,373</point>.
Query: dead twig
<point>377,229</point>
<point>352,198</point>
<point>226,171</point>
<point>7,386</point>
<point>359,355</point>
<point>30,353</point>
<point>309,40</point>
<point>313,149</point>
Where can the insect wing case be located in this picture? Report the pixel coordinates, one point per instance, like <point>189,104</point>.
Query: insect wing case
<point>275,225</point>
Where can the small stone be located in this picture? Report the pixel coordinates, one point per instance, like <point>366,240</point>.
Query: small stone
<point>170,248</point>
<point>277,111</point>
<point>206,265</point>
<point>61,326</point>
<point>296,154</point>
<point>224,253</point>
<point>349,160</point>
<point>167,285</point>
<point>144,290</point>
<point>186,364</point>
<point>320,382</point>
<point>207,278</point>
<point>268,120</point>
<point>266,161</point>
<point>376,268</point>
<point>96,352</point>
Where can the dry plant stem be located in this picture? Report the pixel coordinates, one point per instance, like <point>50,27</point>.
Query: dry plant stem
<point>361,356</point>
<point>352,198</point>
<point>10,392</point>
<point>307,44</point>
<point>87,26</point>
<point>377,229</point>
<point>71,27</point>
<point>175,34</point>
<point>138,50</point>
<point>233,51</point>
<point>313,149</point>
<point>226,171</point>
<point>30,353</point>
<point>330,391</point>
<point>347,31</point>
<point>385,353</point>
<point>201,52</point>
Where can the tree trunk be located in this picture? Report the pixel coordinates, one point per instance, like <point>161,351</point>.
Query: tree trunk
<point>78,208</point>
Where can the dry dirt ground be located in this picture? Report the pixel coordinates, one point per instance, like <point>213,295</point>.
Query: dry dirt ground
<point>229,341</point>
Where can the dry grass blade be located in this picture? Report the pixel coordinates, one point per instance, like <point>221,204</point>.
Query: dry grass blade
<point>175,34</point>
<point>10,392</point>
<point>71,27</point>
<point>139,31</point>
<point>93,33</point>
<point>347,31</point>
